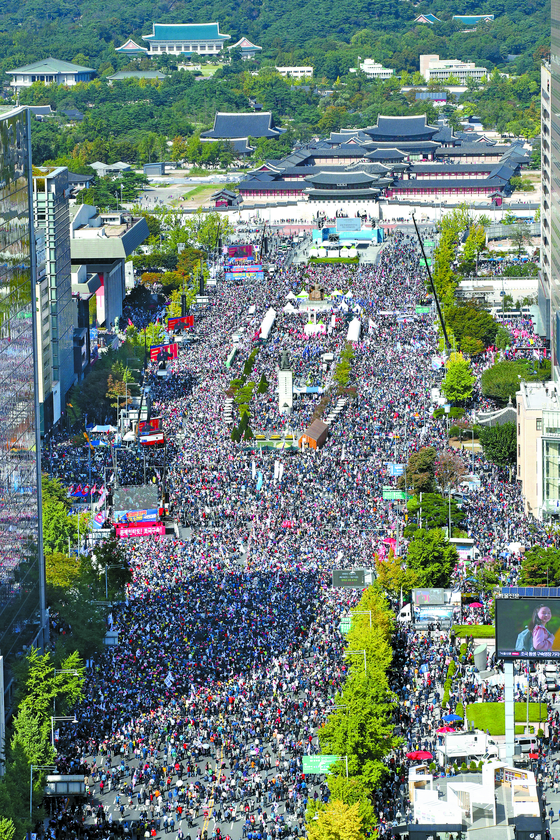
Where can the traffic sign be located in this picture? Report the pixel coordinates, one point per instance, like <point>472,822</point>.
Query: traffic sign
<point>345,624</point>
<point>349,578</point>
<point>423,310</point>
<point>392,495</point>
<point>318,763</point>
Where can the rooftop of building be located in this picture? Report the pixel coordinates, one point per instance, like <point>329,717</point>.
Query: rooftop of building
<point>481,149</point>
<point>427,18</point>
<point>410,127</point>
<point>490,181</point>
<point>51,66</point>
<point>539,396</point>
<point>130,47</point>
<point>472,20</point>
<point>244,44</point>
<point>96,236</point>
<point>137,74</point>
<point>343,178</point>
<point>228,126</point>
<point>186,32</point>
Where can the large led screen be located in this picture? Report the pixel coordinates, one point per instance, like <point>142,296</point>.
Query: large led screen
<point>528,628</point>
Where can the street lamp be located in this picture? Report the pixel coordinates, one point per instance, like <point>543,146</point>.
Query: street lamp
<point>58,671</point>
<point>72,719</point>
<point>351,652</point>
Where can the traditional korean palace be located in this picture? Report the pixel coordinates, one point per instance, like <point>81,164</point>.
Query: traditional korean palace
<point>237,128</point>
<point>400,157</point>
<point>185,38</point>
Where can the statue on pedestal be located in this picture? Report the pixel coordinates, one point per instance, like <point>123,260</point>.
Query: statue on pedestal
<point>316,293</point>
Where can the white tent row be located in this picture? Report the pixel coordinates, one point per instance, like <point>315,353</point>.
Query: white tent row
<point>345,253</point>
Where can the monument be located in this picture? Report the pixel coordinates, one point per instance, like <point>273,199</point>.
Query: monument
<point>317,292</point>
<point>285,384</point>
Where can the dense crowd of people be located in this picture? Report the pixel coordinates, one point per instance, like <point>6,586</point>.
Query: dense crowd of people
<point>230,654</point>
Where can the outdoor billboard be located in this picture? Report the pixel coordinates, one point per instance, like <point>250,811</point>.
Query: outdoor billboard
<point>153,424</point>
<point>139,529</point>
<point>349,578</point>
<point>434,614</point>
<point>244,272</point>
<point>237,252</point>
<point>420,597</point>
<point>161,352</point>
<point>153,439</point>
<point>348,224</point>
<point>184,321</point>
<point>124,517</point>
<point>528,628</point>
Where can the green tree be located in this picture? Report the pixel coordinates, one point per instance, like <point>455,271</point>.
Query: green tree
<point>458,383</point>
<point>471,321</point>
<point>53,491</point>
<point>7,829</point>
<point>393,576</point>
<point>474,246</point>
<point>499,444</point>
<point>503,338</point>
<point>42,686</point>
<point>337,821</point>
<point>449,470</point>
<point>110,555</point>
<point>61,571</point>
<point>501,382</point>
<point>520,236</point>
<point>419,475</point>
<point>434,510</point>
<point>433,558</point>
<point>31,736</point>
<point>154,224</point>
<point>471,346</point>
<point>540,567</point>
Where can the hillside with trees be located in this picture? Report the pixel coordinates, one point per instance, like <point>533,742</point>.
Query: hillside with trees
<point>293,32</point>
<point>139,120</point>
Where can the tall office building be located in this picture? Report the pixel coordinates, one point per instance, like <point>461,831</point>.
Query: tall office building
<point>23,619</point>
<point>555,189</point>
<point>52,219</point>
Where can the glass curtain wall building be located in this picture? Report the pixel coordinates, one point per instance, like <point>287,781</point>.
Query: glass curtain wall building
<point>50,195</point>
<point>22,573</point>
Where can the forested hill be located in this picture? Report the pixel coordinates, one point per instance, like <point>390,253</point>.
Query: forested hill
<point>290,31</point>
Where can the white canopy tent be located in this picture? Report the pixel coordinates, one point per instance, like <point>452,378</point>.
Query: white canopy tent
<point>354,330</point>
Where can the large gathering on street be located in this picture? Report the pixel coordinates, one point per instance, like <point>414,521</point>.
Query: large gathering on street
<point>230,655</point>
